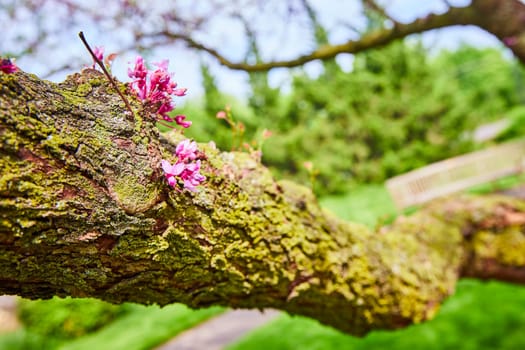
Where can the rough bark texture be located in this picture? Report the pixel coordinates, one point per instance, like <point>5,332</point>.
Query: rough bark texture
<point>85,212</point>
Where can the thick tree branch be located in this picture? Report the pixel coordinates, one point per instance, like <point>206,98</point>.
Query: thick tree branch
<point>85,212</point>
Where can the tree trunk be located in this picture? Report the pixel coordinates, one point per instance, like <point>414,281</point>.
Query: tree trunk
<point>85,212</point>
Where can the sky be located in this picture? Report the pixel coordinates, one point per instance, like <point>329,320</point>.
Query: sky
<point>235,83</point>
<point>226,38</point>
<point>403,10</point>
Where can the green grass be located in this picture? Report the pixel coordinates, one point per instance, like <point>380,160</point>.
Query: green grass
<point>479,316</point>
<point>368,204</point>
<point>140,328</point>
<point>143,328</point>
<point>372,205</point>
<point>499,185</point>
<point>25,340</point>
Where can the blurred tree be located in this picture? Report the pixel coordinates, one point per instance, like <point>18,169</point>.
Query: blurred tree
<point>492,80</point>
<point>396,110</point>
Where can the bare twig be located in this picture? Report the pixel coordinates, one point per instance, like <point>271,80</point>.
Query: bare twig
<point>111,80</point>
<point>374,6</point>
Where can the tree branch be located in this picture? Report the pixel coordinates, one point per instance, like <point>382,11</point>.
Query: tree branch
<point>504,19</point>
<point>85,212</point>
<point>374,6</point>
<point>455,16</point>
<point>500,18</point>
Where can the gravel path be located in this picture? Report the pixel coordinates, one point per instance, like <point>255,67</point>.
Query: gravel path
<point>518,192</point>
<point>220,331</point>
<point>8,319</point>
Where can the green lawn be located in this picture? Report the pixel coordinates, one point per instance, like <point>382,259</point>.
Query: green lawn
<point>139,328</point>
<point>368,204</point>
<point>500,184</point>
<point>144,328</point>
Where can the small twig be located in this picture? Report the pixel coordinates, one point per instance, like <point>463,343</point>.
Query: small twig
<point>166,124</point>
<point>374,6</point>
<point>111,80</point>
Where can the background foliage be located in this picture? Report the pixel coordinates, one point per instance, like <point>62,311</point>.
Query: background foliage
<point>66,318</point>
<point>397,109</point>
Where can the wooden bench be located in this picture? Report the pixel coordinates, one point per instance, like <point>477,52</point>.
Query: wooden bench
<point>457,174</point>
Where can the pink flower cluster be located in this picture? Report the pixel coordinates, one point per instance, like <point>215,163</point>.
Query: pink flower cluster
<point>157,88</point>
<point>7,66</point>
<point>185,168</point>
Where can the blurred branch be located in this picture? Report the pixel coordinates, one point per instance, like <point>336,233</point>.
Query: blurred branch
<point>455,16</point>
<point>321,36</point>
<point>374,6</point>
<point>501,19</point>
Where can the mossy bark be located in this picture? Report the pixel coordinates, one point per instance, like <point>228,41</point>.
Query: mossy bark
<point>85,212</point>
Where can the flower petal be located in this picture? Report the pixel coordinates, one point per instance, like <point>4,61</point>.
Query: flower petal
<point>166,166</point>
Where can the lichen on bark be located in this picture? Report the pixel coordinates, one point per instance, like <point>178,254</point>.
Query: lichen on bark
<point>85,211</point>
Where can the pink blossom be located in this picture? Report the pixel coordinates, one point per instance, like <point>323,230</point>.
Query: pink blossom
<point>157,88</point>
<point>180,121</point>
<point>160,81</point>
<point>180,92</point>
<point>186,150</point>
<point>308,166</point>
<point>139,71</point>
<point>266,134</point>
<point>184,169</point>
<point>510,41</point>
<point>139,75</point>
<point>163,65</point>
<point>171,171</point>
<point>191,176</point>
<point>99,54</point>
<point>164,109</point>
<point>7,66</point>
